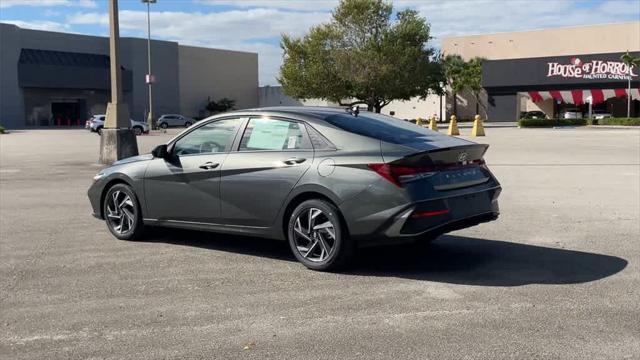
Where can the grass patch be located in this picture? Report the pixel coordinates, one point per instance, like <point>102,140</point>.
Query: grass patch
<point>619,121</point>
<point>551,122</point>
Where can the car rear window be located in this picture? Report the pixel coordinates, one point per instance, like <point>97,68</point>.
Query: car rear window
<point>383,127</point>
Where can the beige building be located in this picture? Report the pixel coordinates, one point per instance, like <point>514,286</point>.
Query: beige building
<point>511,55</point>
<point>551,70</point>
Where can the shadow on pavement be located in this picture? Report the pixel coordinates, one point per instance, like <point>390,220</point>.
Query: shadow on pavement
<point>450,259</point>
<point>471,261</point>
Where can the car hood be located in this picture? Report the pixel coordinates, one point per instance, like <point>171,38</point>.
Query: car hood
<point>144,157</point>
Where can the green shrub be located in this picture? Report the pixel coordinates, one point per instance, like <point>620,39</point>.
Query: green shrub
<point>551,122</point>
<point>619,121</point>
<point>1,129</point>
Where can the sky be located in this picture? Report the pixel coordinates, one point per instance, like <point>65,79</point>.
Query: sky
<point>256,25</point>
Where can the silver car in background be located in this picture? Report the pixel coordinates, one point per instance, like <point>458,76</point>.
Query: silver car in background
<point>169,120</point>
<point>96,123</point>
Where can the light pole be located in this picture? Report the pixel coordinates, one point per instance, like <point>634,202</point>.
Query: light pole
<point>117,140</point>
<point>149,78</point>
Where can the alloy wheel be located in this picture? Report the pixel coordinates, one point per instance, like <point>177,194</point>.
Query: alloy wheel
<point>121,212</point>
<point>314,235</point>
<point>137,130</point>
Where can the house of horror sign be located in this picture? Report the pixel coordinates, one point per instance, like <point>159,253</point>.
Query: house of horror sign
<point>594,69</point>
<point>558,73</point>
<point>566,76</point>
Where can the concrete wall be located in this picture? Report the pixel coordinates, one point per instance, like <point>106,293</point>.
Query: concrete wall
<point>11,99</point>
<point>213,73</point>
<point>275,96</point>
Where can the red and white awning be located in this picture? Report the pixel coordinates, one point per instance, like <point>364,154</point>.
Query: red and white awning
<point>581,96</point>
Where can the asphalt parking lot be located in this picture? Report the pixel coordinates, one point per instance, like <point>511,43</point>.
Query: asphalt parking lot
<point>557,276</point>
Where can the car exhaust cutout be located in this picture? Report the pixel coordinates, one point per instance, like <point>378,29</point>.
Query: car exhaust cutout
<point>423,214</point>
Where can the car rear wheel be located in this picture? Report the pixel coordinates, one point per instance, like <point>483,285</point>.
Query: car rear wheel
<point>317,238</point>
<point>122,213</point>
<point>187,124</point>
<point>164,125</point>
<point>137,130</point>
<point>99,130</point>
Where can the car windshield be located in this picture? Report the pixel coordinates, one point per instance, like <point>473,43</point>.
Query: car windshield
<point>383,127</point>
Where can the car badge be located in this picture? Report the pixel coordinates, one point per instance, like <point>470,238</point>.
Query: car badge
<point>463,157</point>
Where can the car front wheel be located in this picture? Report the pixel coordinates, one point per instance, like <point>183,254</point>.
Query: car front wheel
<point>122,213</point>
<point>317,237</point>
<point>137,130</point>
<point>187,124</point>
<point>164,125</point>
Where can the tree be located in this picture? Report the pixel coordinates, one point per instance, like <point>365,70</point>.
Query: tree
<point>362,56</point>
<point>454,69</point>
<point>630,61</point>
<point>463,75</point>
<point>222,105</point>
<point>473,80</point>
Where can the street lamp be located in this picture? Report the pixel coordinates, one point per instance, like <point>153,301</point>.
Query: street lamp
<point>149,78</point>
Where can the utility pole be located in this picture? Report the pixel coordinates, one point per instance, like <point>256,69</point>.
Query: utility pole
<point>118,141</point>
<point>149,78</point>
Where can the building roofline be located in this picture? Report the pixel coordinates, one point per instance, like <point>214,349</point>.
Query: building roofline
<point>128,38</point>
<point>540,29</point>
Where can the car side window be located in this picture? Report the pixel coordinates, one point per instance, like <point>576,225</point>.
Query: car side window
<point>214,137</point>
<point>274,134</point>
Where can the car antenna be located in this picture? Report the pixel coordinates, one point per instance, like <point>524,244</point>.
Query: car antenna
<point>354,110</point>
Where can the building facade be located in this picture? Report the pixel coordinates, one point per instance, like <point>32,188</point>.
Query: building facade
<point>50,79</point>
<point>552,70</point>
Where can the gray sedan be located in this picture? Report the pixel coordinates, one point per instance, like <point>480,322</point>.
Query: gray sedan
<point>326,180</point>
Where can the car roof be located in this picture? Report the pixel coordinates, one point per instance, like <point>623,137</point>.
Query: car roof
<point>314,112</point>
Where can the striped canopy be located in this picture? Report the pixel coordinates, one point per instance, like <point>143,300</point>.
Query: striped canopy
<point>579,97</point>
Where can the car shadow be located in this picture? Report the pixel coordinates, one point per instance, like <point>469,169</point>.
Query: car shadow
<point>472,261</point>
<point>450,259</point>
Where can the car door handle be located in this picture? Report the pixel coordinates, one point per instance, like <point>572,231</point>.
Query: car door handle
<point>208,165</point>
<point>294,161</point>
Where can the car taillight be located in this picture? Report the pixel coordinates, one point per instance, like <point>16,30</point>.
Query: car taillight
<point>398,174</point>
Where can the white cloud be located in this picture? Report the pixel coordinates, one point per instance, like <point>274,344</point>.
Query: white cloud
<point>255,25</point>
<point>48,3</point>
<point>40,25</point>
<point>297,5</point>
<point>252,30</point>
<point>464,17</point>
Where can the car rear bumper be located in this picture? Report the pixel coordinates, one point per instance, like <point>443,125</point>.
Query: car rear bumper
<point>431,218</point>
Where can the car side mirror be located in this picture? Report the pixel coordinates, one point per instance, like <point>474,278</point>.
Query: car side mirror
<point>160,151</point>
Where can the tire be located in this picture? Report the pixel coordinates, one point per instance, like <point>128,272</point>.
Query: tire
<point>138,130</point>
<point>164,125</point>
<point>316,249</point>
<point>99,130</point>
<point>187,124</point>
<point>122,213</point>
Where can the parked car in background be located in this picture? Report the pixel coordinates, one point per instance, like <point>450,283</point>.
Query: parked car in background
<point>534,115</point>
<point>600,114</point>
<point>322,179</point>
<point>168,120</point>
<point>96,123</point>
<point>572,114</point>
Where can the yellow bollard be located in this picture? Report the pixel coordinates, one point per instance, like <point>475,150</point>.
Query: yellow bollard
<point>419,121</point>
<point>478,128</point>
<point>453,126</point>
<point>432,123</point>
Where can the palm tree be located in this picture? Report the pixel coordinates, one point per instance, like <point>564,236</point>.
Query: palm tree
<point>630,61</point>
<point>454,68</point>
